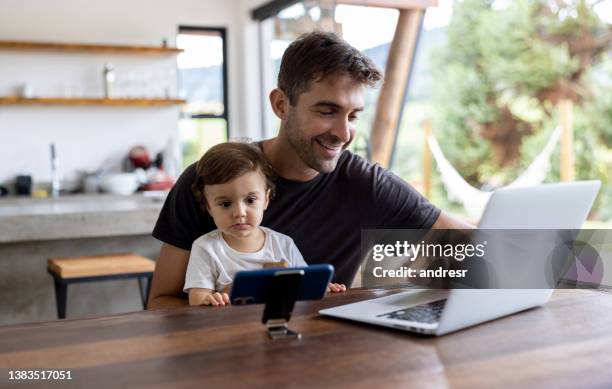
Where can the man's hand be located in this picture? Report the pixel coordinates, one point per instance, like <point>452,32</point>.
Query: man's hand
<point>336,288</point>
<point>448,222</point>
<point>199,296</point>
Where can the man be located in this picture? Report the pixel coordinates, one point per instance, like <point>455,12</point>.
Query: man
<point>325,194</point>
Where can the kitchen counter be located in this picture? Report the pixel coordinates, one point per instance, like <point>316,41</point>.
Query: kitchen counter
<point>32,230</point>
<point>78,216</point>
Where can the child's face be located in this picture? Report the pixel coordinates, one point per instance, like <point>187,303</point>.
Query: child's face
<point>237,206</point>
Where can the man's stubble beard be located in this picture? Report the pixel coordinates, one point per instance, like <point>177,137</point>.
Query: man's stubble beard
<point>304,147</point>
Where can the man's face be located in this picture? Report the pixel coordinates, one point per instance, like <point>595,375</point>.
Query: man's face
<point>323,121</point>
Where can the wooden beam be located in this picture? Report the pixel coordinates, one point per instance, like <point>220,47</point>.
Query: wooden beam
<point>271,8</point>
<point>401,54</point>
<point>397,4</point>
<point>566,119</point>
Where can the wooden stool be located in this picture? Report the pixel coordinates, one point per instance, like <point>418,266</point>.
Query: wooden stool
<point>71,270</point>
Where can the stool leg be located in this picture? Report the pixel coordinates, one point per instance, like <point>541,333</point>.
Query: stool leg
<point>144,290</point>
<point>149,280</point>
<point>61,290</point>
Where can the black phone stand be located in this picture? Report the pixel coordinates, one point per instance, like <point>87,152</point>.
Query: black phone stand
<point>280,300</point>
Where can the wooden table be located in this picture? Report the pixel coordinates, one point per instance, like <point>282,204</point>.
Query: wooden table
<point>567,343</point>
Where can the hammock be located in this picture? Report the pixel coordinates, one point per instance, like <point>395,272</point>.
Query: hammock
<point>473,199</point>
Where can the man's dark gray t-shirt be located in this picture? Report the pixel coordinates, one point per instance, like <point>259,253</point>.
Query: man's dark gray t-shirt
<point>324,216</point>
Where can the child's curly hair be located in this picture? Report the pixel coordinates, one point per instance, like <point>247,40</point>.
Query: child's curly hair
<point>226,161</point>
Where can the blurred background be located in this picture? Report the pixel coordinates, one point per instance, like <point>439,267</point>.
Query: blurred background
<point>491,81</point>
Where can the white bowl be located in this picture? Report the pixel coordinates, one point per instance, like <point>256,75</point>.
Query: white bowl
<point>119,183</point>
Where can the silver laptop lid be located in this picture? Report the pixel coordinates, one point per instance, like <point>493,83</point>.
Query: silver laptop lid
<point>554,206</point>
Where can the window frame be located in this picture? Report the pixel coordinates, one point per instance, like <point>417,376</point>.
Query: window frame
<point>186,29</point>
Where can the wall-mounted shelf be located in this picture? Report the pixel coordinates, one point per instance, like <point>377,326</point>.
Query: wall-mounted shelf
<point>122,102</point>
<point>87,48</point>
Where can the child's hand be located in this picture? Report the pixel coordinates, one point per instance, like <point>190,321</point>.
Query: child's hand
<point>201,296</point>
<point>336,288</point>
<point>217,299</point>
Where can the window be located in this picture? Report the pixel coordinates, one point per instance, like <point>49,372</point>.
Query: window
<point>203,83</point>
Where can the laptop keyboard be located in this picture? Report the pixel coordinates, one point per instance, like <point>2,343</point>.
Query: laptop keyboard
<point>426,313</point>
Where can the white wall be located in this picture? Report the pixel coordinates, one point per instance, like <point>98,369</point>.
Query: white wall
<point>89,137</point>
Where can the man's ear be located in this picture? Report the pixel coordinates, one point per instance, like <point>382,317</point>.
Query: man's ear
<point>279,102</point>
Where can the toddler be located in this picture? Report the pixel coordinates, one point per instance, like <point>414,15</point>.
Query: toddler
<point>234,183</point>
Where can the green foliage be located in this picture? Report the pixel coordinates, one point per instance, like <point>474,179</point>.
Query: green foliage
<point>509,57</point>
<point>598,109</point>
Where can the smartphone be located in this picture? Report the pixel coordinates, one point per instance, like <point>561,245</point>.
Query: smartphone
<point>253,286</point>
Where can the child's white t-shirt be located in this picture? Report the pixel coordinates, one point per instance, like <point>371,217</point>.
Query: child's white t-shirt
<point>213,263</point>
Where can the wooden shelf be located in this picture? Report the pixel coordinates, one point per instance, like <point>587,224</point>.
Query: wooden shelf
<point>87,48</point>
<point>124,102</point>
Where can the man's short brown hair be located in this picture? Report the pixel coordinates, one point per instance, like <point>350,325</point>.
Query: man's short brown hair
<point>226,161</point>
<point>317,55</point>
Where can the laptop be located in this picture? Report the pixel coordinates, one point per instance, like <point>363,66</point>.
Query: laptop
<point>438,312</point>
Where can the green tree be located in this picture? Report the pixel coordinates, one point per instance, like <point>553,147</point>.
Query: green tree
<point>501,75</point>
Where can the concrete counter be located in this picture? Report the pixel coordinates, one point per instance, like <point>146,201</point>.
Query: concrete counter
<point>78,216</point>
<point>32,230</point>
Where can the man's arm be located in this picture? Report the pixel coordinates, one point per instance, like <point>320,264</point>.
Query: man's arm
<point>446,221</point>
<point>169,278</point>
